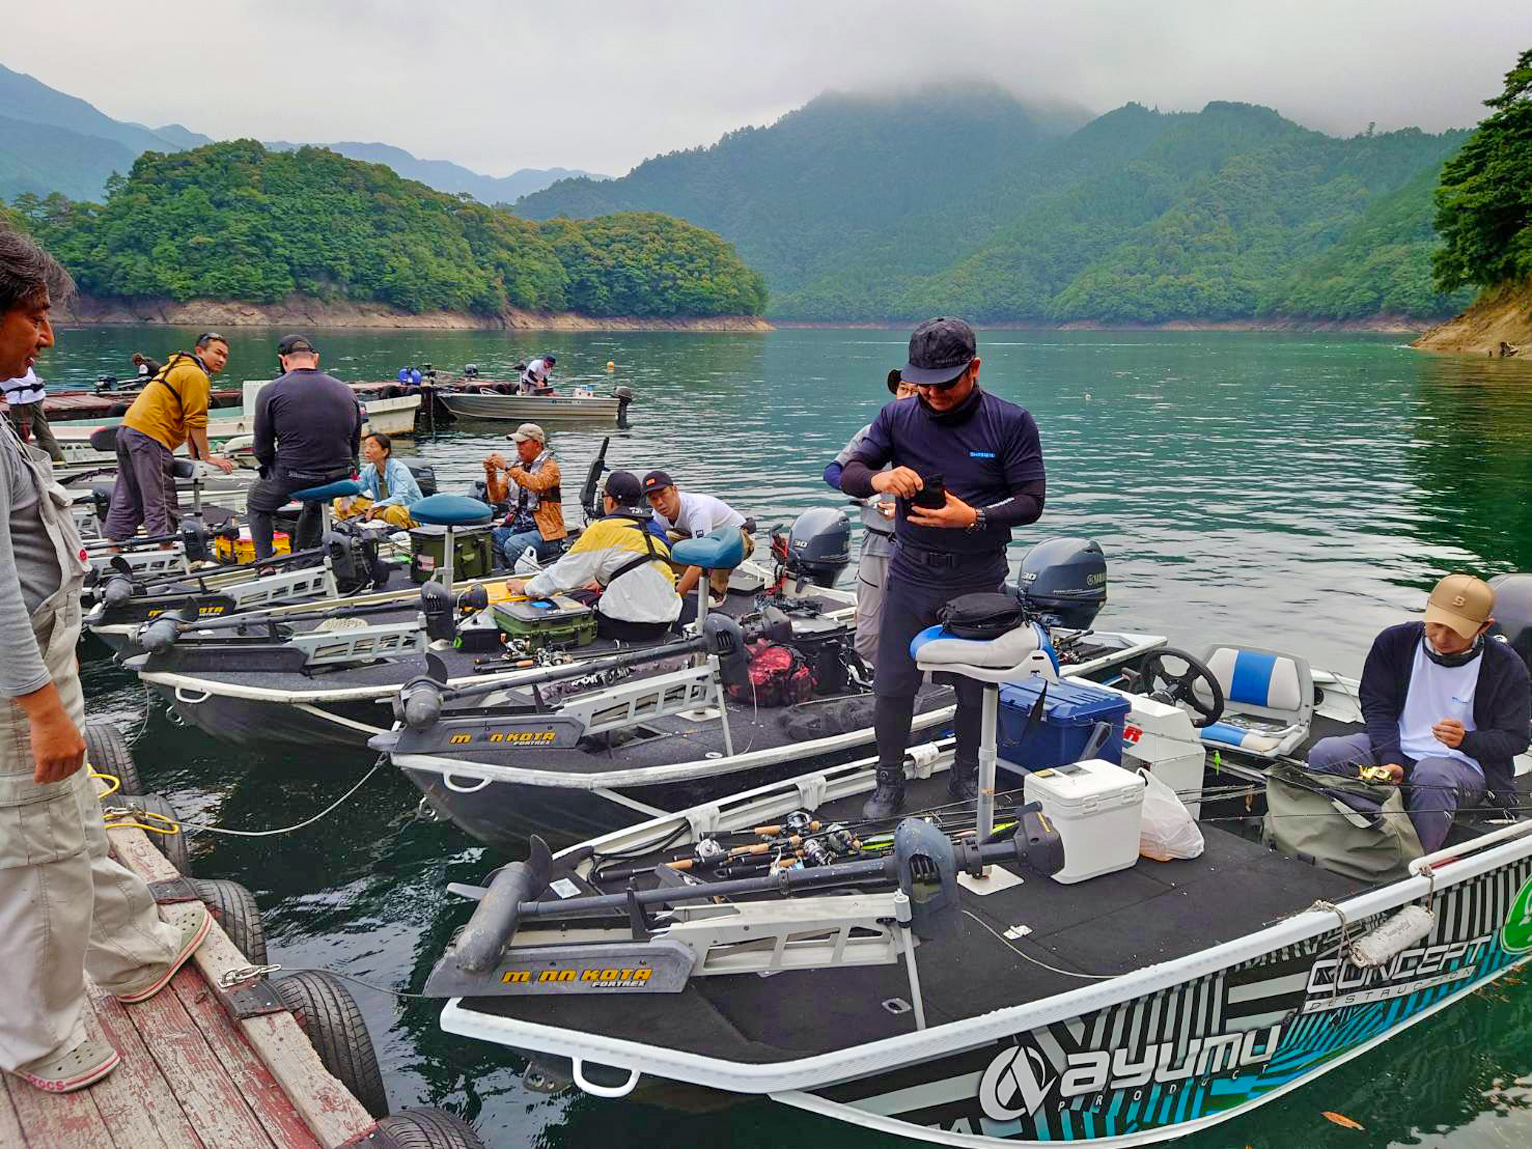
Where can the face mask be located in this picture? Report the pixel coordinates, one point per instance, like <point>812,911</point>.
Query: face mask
<point>1462,658</point>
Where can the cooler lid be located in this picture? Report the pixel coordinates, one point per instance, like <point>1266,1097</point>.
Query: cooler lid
<point>1071,786</point>
<point>1068,702</point>
<point>553,609</point>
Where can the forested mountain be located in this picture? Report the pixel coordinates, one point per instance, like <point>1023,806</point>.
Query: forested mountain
<point>962,200</point>
<point>53,142</point>
<point>236,221</point>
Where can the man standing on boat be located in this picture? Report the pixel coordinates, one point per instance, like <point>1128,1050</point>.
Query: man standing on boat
<point>66,907</point>
<point>984,455</point>
<point>877,539</point>
<point>24,398</point>
<point>537,514</point>
<point>308,432</point>
<point>1447,710</point>
<point>534,377</point>
<point>169,411</point>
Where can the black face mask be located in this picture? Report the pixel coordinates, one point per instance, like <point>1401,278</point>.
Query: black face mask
<point>1462,658</point>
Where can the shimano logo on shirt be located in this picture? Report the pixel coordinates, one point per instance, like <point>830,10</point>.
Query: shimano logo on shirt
<point>981,454</point>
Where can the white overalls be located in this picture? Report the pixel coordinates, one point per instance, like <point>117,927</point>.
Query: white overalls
<point>66,908</point>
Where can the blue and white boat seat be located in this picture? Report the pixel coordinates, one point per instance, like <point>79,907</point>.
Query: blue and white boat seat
<point>340,489</point>
<point>1013,656</point>
<point>1268,700</point>
<point>720,549</point>
<point>450,511</point>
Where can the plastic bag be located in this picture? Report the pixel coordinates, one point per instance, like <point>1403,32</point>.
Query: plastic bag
<point>1168,829</point>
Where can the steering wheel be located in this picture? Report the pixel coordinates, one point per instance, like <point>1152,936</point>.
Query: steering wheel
<point>1162,677</point>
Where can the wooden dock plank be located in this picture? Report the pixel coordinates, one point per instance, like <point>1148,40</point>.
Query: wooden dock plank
<point>10,1124</point>
<point>212,1103</point>
<point>333,1116</point>
<point>136,1101</point>
<point>260,1089</point>
<point>58,1120</point>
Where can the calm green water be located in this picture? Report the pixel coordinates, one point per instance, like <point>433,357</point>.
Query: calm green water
<point>1290,491</point>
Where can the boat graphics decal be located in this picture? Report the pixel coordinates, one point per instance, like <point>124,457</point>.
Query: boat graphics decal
<point>1213,1044</point>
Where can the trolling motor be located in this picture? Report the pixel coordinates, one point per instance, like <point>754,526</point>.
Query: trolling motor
<point>502,950</point>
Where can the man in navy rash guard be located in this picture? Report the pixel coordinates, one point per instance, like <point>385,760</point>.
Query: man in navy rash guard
<point>990,459</point>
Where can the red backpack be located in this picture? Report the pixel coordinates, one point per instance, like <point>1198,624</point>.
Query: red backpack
<point>778,676</point>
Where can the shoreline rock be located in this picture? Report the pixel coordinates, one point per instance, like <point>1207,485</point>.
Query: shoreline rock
<point>300,311</point>
<point>1499,315</point>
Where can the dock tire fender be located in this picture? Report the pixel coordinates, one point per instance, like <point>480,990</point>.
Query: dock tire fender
<point>595,1090</point>
<point>106,749</point>
<point>173,846</point>
<point>330,1019</point>
<point>424,1129</point>
<point>235,910</point>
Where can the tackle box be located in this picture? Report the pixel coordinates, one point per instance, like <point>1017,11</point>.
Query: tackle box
<point>1097,808</point>
<point>242,549</point>
<point>540,622</point>
<point>473,557</point>
<point>1070,713</point>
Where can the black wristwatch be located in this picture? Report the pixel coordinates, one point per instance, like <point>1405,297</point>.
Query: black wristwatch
<point>978,523</point>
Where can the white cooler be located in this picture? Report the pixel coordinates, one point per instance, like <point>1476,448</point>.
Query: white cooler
<point>1097,807</point>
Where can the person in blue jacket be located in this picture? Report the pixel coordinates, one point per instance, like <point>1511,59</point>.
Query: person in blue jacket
<point>389,488</point>
<point>1447,709</point>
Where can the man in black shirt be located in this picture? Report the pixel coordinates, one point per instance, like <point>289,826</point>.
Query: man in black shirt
<point>308,431</point>
<point>988,458</point>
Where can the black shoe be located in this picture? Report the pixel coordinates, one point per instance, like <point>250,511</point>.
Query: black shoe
<point>888,799</point>
<point>963,783</point>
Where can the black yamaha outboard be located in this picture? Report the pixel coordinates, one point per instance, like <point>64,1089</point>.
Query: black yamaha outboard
<point>819,546</point>
<point>1513,612</point>
<point>1063,581</point>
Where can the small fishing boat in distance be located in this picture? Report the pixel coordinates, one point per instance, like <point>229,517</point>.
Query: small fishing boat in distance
<point>581,407</point>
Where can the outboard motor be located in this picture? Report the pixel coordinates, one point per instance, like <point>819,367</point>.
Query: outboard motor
<point>819,546</point>
<point>425,477</point>
<point>1513,612</point>
<point>470,371</point>
<point>1063,582</point>
<point>624,398</point>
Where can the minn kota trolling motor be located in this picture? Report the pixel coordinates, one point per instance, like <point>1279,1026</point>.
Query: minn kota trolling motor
<point>655,940</point>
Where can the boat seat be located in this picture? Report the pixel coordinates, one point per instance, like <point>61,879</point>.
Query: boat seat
<point>720,549</point>
<point>1268,700</point>
<point>1013,656</point>
<point>340,489</point>
<point>182,469</point>
<point>450,511</point>
<point>104,439</point>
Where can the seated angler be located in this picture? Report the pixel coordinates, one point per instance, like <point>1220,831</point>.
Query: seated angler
<point>619,558</point>
<point>532,487</point>
<point>389,488</point>
<point>687,515</point>
<point>1447,709</point>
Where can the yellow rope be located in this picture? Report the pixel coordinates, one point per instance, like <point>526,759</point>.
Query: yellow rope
<point>115,821</point>
<point>112,778</point>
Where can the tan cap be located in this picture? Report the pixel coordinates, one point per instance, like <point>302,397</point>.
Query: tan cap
<point>530,431</point>
<point>1462,602</point>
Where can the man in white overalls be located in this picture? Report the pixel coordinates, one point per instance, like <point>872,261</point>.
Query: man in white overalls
<point>66,908</point>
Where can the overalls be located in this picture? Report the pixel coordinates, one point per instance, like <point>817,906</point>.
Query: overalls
<point>66,907</point>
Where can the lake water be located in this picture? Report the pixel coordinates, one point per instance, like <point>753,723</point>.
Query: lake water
<point>1294,491</point>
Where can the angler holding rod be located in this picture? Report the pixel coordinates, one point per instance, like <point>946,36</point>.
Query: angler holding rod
<point>967,466</point>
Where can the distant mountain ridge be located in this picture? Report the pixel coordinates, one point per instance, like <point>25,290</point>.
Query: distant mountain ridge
<point>961,198</point>
<point>51,141</point>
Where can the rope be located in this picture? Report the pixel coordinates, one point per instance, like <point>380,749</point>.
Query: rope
<point>1344,945</point>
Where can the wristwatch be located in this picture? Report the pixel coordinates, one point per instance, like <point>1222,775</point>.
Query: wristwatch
<point>978,523</point>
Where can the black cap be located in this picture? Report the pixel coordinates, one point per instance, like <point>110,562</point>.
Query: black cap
<point>894,381</point>
<point>657,481</point>
<point>624,487</point>
<point>550,358</point>
<point>296,345</point>
<point>940,350</point>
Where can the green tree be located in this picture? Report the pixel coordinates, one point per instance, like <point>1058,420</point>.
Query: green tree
<point>1484,202</point>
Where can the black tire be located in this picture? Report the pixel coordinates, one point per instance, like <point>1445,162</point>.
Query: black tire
<point>173,846</point>
<point>428,1129</point>
<point>107,752</point>
<point>328,1016</point>
<point>236,911</point>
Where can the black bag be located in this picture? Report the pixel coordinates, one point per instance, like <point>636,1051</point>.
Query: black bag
<point>983,615</point>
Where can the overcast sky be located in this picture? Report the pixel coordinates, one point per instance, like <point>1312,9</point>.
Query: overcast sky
<point>602,84</point>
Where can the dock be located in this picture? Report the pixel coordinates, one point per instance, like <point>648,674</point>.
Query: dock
<point>191,1075</point>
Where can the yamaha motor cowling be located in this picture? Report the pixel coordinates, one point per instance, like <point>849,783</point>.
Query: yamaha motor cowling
<point>1063,582</point>
<point>819,546</point>
<point>1513,612</point>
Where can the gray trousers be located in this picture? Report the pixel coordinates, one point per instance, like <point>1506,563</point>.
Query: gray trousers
<point>29,418</point>
<point>1433,790</point>
<point>145,493</point>
<point>871,584</point>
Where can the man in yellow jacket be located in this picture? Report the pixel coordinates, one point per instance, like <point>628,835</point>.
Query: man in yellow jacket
<point>169,411</point>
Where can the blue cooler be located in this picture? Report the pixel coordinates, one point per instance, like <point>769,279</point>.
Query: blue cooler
<point>1070,713</point>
